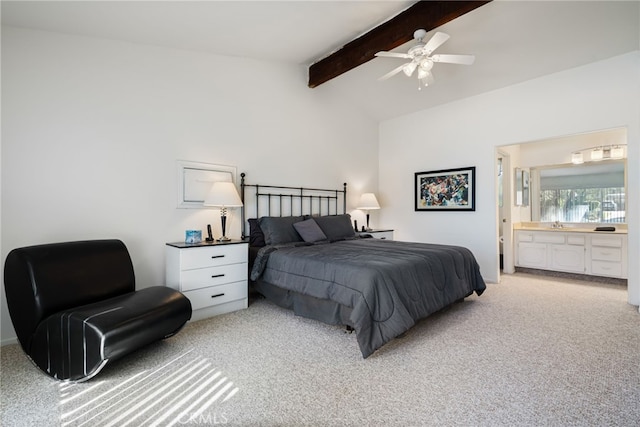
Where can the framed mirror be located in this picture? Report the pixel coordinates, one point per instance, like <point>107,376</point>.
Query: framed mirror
<point>518,187</point>
<point>525,188</point>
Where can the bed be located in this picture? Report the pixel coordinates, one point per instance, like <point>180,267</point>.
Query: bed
<point>306,256</point>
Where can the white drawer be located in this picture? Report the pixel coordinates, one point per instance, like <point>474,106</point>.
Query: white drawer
<point>608,241</point>
<point>212,256</point>
<point>383,235</point>
<point>606,254</point>
<point>550,237</point>
<point>214,295</point>
<point>525,237</point>
<point>604,268</point>
<point>575,240</point>
<point>204,277</point>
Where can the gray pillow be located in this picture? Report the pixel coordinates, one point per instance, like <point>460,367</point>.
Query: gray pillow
<point>279,229</point>
<point>309,231</point>
<point>336,227</point>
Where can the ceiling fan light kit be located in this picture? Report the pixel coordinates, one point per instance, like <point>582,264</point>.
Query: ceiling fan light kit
<point>409,68</point>
<point>421,58</point>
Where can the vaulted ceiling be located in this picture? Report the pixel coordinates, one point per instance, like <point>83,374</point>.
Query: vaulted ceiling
<point>513,41</point>
<point>423,15</point>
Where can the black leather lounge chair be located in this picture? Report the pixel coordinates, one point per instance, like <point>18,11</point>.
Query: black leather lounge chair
<point>74,306</point>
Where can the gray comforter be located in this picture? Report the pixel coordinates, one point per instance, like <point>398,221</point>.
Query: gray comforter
<point>389,285</point>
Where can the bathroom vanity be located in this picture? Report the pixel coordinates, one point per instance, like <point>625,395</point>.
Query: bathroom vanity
<point>572,249</point>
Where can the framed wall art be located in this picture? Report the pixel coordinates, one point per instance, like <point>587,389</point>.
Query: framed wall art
<point>195,180</point>
<point>446,190</point>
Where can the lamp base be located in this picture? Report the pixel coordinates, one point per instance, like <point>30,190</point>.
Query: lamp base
<point>223,219</point>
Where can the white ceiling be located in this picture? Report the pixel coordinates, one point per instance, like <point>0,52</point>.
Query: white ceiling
<point>513,41</point>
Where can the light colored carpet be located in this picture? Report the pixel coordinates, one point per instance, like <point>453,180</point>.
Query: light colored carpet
<point>530,351</point>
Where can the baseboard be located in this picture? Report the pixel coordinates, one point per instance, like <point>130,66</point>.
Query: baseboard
<point>575,276</point>
<point>216,310</point>
<point>9,341</point>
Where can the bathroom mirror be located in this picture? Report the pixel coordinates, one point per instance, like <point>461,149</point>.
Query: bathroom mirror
<point>593,192</point>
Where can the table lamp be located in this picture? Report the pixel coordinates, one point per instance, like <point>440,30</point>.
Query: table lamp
<point>223,195</point>
<point>367,202</point>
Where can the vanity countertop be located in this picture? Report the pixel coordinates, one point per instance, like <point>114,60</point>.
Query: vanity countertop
<point>569,228</point>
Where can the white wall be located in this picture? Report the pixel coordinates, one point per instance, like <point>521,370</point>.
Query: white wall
<point>92,130</point>
<point>598,96</point>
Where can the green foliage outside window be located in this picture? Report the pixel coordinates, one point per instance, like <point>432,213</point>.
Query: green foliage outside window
<point>583,205</point>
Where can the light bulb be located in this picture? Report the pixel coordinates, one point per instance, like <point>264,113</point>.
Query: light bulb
<point>426,64</point>
<point>597,154</point>
<point>576,158</point>
<point>617,152</point>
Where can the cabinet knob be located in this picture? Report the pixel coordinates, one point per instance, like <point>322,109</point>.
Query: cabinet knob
<point>217,256</point>
<point>217,275</point>
<point>217,295</point>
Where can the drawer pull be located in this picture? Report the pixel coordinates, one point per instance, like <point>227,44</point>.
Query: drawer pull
<point>217,256</point>
<point>217,295</point>
<point>217,275</point>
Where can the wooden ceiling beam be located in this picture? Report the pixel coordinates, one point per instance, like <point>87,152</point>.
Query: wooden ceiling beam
<point>389,35</point>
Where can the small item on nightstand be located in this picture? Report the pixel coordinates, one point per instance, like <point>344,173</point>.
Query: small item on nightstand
<point>193,236</point>
<point>355,224</point>
<point>210,236</point>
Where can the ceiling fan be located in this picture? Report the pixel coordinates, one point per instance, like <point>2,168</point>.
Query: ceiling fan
<point>421,58</point>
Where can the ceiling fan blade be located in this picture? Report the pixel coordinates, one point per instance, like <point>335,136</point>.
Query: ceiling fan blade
<point>454,59</point>
<point>394,55</point>
<point>392,72</point>
<point>435,42</point>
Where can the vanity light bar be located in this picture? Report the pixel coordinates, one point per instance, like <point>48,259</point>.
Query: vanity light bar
<point>598,153</point>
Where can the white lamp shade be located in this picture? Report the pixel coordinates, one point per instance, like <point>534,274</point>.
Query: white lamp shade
<point>223,194</point>
<point>368,201</point>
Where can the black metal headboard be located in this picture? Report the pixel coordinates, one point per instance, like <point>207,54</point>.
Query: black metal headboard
<point>274,200</point>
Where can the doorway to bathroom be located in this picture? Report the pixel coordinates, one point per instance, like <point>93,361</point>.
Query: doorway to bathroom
<point>505,253</point>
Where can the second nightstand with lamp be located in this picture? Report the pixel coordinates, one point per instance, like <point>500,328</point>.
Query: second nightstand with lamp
<point>366,203</point>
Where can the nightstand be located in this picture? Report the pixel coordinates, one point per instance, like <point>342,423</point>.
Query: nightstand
<point>378,234</point>
<point>212,275</point>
